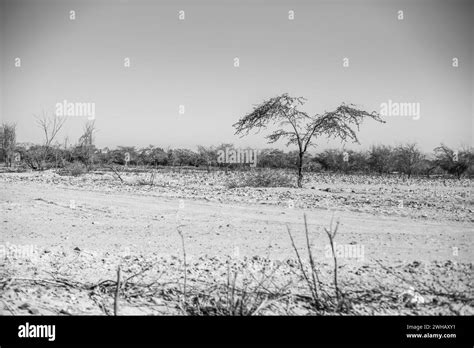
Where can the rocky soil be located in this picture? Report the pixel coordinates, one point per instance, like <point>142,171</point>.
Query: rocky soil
<point>416,235</point>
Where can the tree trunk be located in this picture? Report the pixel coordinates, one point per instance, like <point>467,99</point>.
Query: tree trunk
<point>300,170</point>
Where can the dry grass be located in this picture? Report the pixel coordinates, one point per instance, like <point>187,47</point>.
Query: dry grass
<point>322,299</point>
<point>287,288</point>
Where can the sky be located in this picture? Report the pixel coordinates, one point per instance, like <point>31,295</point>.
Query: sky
<point>190,63</point>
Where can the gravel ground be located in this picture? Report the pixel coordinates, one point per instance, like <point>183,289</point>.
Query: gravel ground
<point>415,236</point>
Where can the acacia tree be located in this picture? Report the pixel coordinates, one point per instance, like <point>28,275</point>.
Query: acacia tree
<point>407,158</point>
<point>452,162</point>
<point>380,158</point>
<point>298,127</point>
<point>207,156</point>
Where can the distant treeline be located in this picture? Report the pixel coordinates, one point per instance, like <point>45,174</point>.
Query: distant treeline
<point>405,159</point>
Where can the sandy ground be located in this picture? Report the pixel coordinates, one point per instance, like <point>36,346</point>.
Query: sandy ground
<point>41,214</point>
<point>86,222</point>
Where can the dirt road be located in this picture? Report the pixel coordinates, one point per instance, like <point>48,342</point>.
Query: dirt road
<point>47,216</point>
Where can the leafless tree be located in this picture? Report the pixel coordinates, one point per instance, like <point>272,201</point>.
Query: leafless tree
<point>298,127</point>
<point>50,125</point>
<point>86,138</point>
<point>86,141</point>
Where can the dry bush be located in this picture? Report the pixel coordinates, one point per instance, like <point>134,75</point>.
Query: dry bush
<point>242,294</point>
<point>73,169</point>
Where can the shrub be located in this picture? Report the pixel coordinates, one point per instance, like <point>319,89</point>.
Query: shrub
<point>272,158</point>
<point>380,159</point>
<point>74,169</point>
<point>34,156</point>
<point>445,158</point>
<point>330,159</point>
<point>407,159</point>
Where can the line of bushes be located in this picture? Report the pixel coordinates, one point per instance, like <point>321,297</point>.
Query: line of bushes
<point>405,159</point>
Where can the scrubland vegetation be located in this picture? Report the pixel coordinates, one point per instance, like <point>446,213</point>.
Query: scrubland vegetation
<point>394,188</point>
<point>405,160</point>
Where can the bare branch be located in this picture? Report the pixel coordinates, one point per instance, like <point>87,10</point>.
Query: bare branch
<point>50,126</point>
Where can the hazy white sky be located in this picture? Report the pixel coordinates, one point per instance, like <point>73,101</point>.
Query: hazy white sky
<point>191,63</point>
